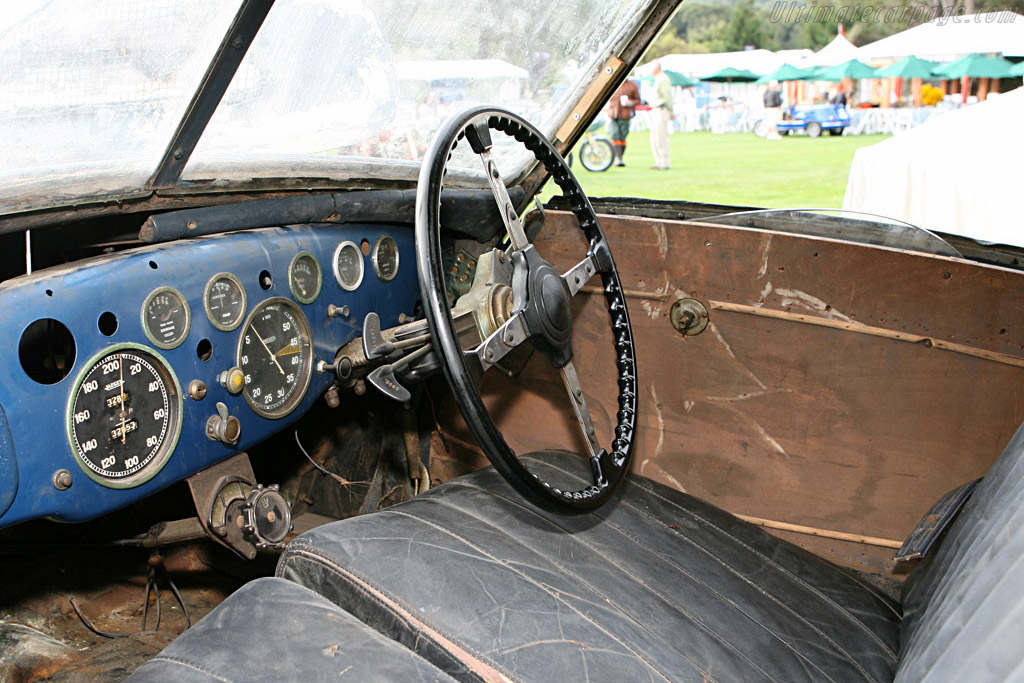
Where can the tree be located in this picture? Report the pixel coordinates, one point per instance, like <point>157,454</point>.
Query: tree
<point>745,27</point>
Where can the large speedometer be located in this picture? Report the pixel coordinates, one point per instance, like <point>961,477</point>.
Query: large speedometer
<point>276,356</point>
<point>124,416</point>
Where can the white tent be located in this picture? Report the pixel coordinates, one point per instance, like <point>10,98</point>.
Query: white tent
<point>946,38</point>
<point>957,173</point>
<point>838,51</point>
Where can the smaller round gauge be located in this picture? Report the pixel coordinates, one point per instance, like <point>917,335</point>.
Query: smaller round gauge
<point>385,258</point>
<point>224,301</point>
<point>275,355</point>
<point>304,277</point>
<point>348,266</point>
<point>166,317</point>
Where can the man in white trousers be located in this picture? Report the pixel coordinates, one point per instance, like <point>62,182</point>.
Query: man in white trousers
<point>661,108</point>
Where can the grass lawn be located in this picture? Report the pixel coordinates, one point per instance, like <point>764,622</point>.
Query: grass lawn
<point>736,168</point>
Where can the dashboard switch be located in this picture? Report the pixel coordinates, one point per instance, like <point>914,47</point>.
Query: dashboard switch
<point>223,427</point>
<point>338,311</point>
<point>233,380</point>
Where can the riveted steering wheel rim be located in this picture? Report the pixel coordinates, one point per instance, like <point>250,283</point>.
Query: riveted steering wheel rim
<point>608,469</point>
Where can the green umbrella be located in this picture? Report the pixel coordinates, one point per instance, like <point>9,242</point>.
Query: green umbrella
<point>1017,70</point>
<point>786,72</point>
<point>810,73</point>
<point>975,66</point>
<point>731,74</point>
<point>851,69</point>
<point>909,67</point>
<point>676,78</point>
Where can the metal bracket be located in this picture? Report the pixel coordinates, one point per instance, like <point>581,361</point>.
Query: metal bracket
<point>590,100</point>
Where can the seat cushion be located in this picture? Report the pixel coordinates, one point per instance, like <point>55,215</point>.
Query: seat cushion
<point>655,585</point>
<point>965,605</point>
<point>275,630</point>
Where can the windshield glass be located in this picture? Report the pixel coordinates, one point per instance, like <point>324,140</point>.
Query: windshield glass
<point>93,92</point>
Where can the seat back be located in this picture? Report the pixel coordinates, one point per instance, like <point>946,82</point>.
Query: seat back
<point>964,609</point>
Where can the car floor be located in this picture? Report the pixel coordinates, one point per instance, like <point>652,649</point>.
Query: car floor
<point>43,637</point>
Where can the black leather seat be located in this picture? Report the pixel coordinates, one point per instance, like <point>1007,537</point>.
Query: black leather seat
<point>655,586</point>
<point>275,630</point>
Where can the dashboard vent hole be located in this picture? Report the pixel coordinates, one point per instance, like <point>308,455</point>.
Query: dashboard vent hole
<point>204,350</point>
<point>107,324</point>
<point>153,265</point>
<point>266,282</point>
<point>47,351</point>
<point>364,246</point>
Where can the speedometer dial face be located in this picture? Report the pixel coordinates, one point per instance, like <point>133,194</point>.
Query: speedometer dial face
<point>348,266</point>
<point>166,317</point>
<point>224,301</point>
<point>124,416</point>
<point>275,354</point>
<point>304,277</point>
<point>385,258</point>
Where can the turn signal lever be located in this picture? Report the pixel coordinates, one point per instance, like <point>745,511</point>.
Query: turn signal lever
<point>381,356</point>
<point>390,359</point>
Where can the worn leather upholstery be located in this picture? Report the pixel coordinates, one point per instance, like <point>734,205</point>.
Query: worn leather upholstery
<point>656,585</point>
<point>965,606</point>
<point>275,630</point>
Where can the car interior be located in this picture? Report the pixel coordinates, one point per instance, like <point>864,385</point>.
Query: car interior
<point>453,419</point>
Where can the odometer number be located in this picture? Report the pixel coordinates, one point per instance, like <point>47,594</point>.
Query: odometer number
<point>124,416</point>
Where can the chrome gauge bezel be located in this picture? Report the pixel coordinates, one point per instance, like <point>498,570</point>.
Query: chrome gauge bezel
<point>337,272</point>
<point>206,301</point>
<point>175,419</point>
<point>156,341</point>
<point>375,259</point>
<point>307,371</point>
<point>319,278</point>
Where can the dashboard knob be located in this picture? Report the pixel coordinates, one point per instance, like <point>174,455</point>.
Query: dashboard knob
<point>223,427</point>
<point>233,380</point>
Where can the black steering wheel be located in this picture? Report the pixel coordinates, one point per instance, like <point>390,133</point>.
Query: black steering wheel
<point>541,312</point>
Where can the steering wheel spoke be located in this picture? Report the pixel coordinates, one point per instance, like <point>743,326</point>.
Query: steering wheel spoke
<point>479,137</point>
<point>503,341</point>
<point>579,406</point>
<point>579,275</point>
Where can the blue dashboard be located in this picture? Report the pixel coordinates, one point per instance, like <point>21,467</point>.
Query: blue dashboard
<point>65,325</point>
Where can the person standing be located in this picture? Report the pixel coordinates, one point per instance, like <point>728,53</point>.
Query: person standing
<point>620,112</point>
<point>772,111</point>
<point>662,114</point>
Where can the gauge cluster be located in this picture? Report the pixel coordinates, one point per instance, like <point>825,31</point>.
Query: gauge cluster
<point>125,361</point>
